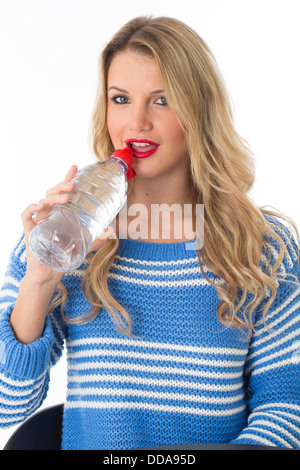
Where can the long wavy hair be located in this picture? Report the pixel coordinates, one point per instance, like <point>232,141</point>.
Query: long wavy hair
<point>221,173</point>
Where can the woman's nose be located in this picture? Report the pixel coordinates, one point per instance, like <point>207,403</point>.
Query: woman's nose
<point>140,120</point>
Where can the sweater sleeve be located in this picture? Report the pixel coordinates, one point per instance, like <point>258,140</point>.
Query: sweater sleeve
<point>24,368</point>
<point>273,363</point>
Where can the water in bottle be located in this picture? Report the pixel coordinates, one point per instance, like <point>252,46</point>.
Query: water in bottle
<point>61,241</point>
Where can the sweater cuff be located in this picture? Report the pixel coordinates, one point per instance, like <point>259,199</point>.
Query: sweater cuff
<point>23,361</point>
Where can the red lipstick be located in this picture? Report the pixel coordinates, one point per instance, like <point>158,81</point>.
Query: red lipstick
<point>142,148</point>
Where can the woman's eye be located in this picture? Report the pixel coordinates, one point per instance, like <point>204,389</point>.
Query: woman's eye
<point>120,99</point>
<point>162,101</point>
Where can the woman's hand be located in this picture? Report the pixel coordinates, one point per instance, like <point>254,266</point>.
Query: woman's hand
<point>59,194</point>
<point>39,283</point>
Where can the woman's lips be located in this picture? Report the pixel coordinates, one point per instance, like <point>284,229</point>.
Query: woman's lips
<point>142,148</point>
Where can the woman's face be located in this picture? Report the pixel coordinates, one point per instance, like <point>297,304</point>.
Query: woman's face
<point>139,116</point>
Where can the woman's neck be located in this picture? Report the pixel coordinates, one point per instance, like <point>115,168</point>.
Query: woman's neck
<point>148,193</point>
<point>157,211</point>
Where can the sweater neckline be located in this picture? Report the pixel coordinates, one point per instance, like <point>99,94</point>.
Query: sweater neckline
<point>157,251</point>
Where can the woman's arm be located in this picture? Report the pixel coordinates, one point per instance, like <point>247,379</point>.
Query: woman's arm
<point>273,367</point>
<point>39,283</point>
<point>30,340</point>
<point>24,368</point>
<point>29,314</point>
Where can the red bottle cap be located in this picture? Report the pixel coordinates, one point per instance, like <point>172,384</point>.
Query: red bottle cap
<point>126,155</point>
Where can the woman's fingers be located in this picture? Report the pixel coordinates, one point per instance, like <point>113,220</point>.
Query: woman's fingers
<point>61,188</point>
<point>67,185</point>
<point>47,204</point>
<point>71,173</point>
<point>27,215</point>
<point>59,194</point>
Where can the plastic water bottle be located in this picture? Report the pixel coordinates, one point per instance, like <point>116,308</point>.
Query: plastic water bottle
<point>61,241</point>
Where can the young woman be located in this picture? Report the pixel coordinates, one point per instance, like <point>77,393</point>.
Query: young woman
<point>168,341</point>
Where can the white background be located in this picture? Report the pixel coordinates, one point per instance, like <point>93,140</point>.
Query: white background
<point>48,73</point>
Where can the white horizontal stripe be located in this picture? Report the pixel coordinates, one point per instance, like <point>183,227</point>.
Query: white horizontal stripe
<point>272,345</point>
<point>275,253</point>
<point>21,392</point>
<point>8,293</point>
<point>272,356</point>
<point>277,415</point>
<point>153,407</point>
<point>281,429</point>
<point>155,345</point>
<point>90,378</point>
<point>158,263</point>
<point>12,421</point>
<point>149,272</point>
<point>75,273</point>
<point>11,280</point>
<point>283,406</point>
<point>281,307</point>
<point>15,402</point>
<point>19,247</point>
<point>175,283</point>
<point>18,411</point>
<point>276,365</point>
<point>5,305</point>
<point>78,272</point>
<point>21,414</point>
<point>265,264</point>
<point>288,244</point>
<point>131,392</point>
<point>257,341</point>
<point>294,321</point>
<point>286,325</point>
<point>15,393</point>
<point>255,437</point>
<point>288,240</point>
<point>154,357</point>
<point>20,383</point>
<point>155,369</point>
<point>271,434</point>
<point>23,257</point>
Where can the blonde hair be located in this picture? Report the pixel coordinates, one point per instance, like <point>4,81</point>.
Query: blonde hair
<point>221,172</point>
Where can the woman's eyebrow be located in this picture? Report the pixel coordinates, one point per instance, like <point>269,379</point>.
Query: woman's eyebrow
<point>113,87</point>
<point>118,89</point>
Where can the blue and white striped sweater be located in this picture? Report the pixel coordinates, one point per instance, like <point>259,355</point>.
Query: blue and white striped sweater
<point>182,378</point>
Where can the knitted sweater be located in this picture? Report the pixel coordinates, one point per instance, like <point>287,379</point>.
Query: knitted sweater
<point>181,378</point>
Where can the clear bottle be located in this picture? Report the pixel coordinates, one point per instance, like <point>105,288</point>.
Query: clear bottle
<point>61,240</point>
